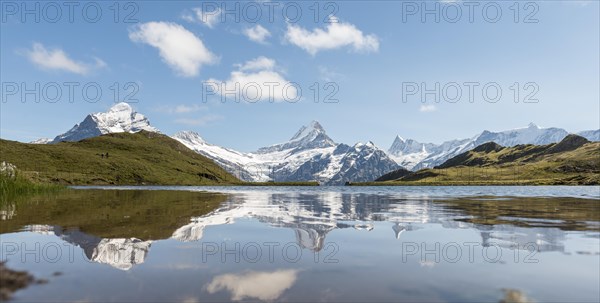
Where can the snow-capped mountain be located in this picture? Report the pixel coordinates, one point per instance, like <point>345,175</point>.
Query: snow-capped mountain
<point>118,119</point>
<point>592,135</point>
<point>41,141</point>
<point>308,137</point>
<point>415,155</point>
<point>310,155</point>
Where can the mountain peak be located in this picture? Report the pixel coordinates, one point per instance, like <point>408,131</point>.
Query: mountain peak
<point>533,125</point>
<point>120,107</point>
<point>118,119</point>
<point>314,127</point>
<point>307,137</point>
<point>399,139</point>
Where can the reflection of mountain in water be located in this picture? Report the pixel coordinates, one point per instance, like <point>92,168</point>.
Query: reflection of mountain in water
<point>313,216</point>
<point>119,253</point>
<point>114,237</point>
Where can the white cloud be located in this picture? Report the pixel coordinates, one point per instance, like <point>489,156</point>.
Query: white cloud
<point>200,121</point>
<point>57,59</point>
<point>329,75</point>
<point>265,286</point>
<point>257,79</point>
<point>179,48</point>
<point>260,63</point>
<point>336,35</point>
<point>427,108</point>
<point>257,34</point>
<point>182,109</point>
<point>209,19</point>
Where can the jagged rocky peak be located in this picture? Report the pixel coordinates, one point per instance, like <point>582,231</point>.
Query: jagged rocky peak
<point>313,134</point>
<point>309,136</point>
<point>118,119</point>
<point>533,126</point>
<point>402,146</point>
<point>314,128</point>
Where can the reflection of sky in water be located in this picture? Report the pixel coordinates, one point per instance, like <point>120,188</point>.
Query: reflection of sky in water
<point>354,247</point>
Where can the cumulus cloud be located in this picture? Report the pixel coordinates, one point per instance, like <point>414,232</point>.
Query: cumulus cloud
<point>183,51</point>
<point>265,286</point>
<point>57,59</point>
<point>257,33</point>
<point>209,19</point>
<point>425,108</point>
<point>337,34</point>
<point>257,79</point>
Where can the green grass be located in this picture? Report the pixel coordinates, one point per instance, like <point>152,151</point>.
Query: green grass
<point>19,186</point>
<point>143,158</point>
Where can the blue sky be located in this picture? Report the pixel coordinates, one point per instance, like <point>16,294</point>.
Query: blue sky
<point>371,54</point>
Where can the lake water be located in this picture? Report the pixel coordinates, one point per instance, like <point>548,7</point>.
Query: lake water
<point>361,244</point>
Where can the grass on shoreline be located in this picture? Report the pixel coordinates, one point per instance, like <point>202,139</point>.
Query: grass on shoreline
<point>11,188</point>
<point>19,186</point>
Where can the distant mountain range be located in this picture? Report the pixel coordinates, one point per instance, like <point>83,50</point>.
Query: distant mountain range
<point>572,161</point>
<point>310,154</point>
<point>414,155</point>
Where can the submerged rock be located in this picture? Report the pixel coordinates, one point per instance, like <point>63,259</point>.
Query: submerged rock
<point>12,280</point>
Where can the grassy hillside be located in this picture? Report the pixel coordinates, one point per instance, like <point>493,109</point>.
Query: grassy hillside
<point>133,159</point>
<point>573,161</point>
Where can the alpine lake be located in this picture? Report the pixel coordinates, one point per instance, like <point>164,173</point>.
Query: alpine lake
<point>342,244</point>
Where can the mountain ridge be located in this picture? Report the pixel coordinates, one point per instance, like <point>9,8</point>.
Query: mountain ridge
<point>310,154</point>
<point>574,160</point>
<point>415,155</point>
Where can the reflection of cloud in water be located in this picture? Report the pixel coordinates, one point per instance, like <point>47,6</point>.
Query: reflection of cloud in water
<point>266,286</point>
<point>508,236</point>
